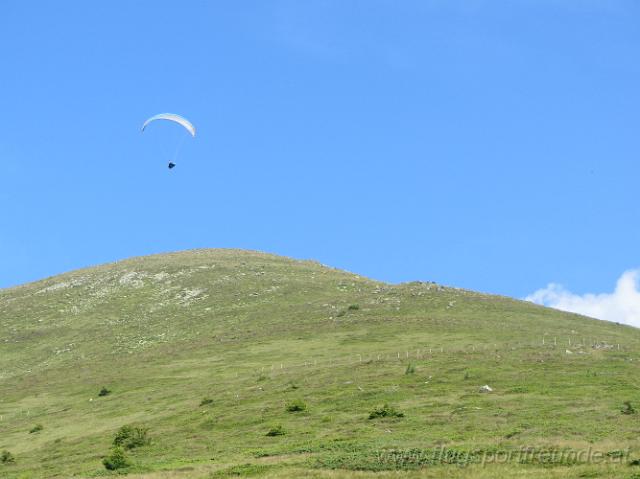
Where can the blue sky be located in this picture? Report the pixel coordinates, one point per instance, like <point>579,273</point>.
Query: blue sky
<point>491,145</point>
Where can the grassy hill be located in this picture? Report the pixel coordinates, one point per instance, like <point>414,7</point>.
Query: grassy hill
<point>213,349</point>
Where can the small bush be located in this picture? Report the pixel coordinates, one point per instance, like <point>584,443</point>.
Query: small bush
<point>6,457</point>
<point>353,307</point>
<point>130,437</point>
<point>634,462</point>
<point>385,411</point>
<point>518,390</point>
<point>297,405</point>
<point>617,453</point>
<point>123,434</point>
<point>116,460</point>
<point>411,369</point>
<point>104,392</point>
<point>244,470</point>
<point>276,431</point>
<point>36,428</point>
<point>628,408</point>
<point>206,401</point>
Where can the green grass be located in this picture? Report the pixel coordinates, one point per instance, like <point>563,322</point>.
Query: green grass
<point>253,333</point>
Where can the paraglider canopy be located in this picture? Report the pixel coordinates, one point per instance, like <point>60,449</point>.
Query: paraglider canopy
<point>175,118</point>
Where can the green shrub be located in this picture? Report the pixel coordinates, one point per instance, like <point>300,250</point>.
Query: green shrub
<point>104,392</point>
<point>130,437</point>
<point>276,431</point>
<point>123,435</point>
<point>6,457</point>
<point>116,460</point>
<point>244,470</point>
<point>296,405</point>
<point>353,307</point>
<point>634,462</point>
<point>616,453</point>
<point>628,408</point>
<point>36,428</point>
<point>411,369</point>
<point>518,390</point>
<point>385,411</point>
<point>206,401</point>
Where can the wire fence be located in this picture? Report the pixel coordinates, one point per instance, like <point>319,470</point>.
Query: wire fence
<point>566,347</point>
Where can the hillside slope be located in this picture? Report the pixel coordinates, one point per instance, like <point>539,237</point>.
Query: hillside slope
<point>256,333</point>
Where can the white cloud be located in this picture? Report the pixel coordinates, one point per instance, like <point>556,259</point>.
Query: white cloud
<point>622,306</point>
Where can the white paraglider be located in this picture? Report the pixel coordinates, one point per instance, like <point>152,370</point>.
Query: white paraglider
<point>175,118</point>
<point>172,117</point>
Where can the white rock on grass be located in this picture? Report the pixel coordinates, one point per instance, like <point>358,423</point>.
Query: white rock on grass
<point>132,279</point>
